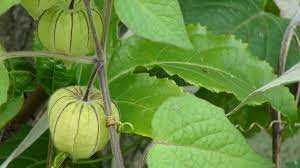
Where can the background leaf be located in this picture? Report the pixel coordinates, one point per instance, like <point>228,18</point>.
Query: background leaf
<point>158,20</point>
<point>21,76</point>
<point>290,76</point>
<point>34,157</point>
<point>289,152</point>
<point>190,132</point>
<point>219,63</point>
<point>6,4</point>
<point>246,116</point>
<point>10,109</point>
<point>248,20</point>
<point>138,97</point>
<point>52,74</point>
<point>35,133</point>
<point>4,83</point>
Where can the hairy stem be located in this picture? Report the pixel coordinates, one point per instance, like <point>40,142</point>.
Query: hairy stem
<point>114,136</point>
<point>46,54</point>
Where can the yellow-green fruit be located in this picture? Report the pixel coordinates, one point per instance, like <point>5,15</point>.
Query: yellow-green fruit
<point>78,127</point>
<point>67,30</point>
<point>36,7</point>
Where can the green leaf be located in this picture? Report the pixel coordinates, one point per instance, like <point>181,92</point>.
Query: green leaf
<point>35,133</point>
<point>82,73</point>
<point>219,63</point>
<point>138,97</point>
<point>21,76</point>
<point>160,21</point>
<point>247,20</point>
<point>191,133</point>
<point>9,110</point>
<point>6,4</point>
<point>52,74</point>
<point>247,116</point>
<point>4,81</point>
<point>290,76</point>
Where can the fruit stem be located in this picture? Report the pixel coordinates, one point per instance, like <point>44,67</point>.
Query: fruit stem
<point>91,81</point>
<point>101,54</point>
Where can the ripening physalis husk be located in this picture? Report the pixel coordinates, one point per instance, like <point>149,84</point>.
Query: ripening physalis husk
<point>78,127</point>
<point>36,7</point>
<point>67,30</point>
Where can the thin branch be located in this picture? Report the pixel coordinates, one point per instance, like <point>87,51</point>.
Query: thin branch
<point>91,82</point>
<point>114,137</point>
<point>286,41</point>
<point>2,134</point>
<point>298,86</point>
<point>50,153</point>
<point>46,54</point>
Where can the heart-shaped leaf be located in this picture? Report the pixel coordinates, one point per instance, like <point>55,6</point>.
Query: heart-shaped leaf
<point>192,133</point>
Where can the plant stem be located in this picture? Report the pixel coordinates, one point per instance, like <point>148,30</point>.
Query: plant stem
<point>285,44</point>
<point>50,153</point>
<point>91,81</point>
<point>114,137</point>
<point>298,86</point>
<point>46,54</point>
<point>276,138</point>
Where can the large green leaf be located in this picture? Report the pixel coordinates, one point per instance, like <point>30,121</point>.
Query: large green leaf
<point>218,63</point>
<point>192,133</point>
<point>158,20</point>
<point>9,110</point>
<point>138,97</point>
<point>6,4</point>
<point>247,20</point>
